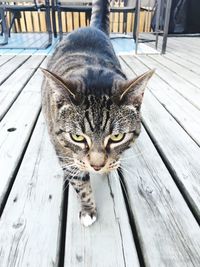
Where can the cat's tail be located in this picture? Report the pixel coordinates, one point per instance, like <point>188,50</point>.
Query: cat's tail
<point>100,15</point>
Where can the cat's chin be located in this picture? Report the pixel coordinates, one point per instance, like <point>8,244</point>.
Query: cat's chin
<point>102,172</point>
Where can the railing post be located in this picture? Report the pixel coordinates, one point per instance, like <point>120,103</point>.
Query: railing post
<point>53,13</point>
<point>166,26</point>
<point>136,24</point>
<point>5,29</point>
<point>48,21</point>
<point>158,21</point>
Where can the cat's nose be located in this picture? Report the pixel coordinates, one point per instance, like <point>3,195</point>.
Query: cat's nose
<point>96,167</point>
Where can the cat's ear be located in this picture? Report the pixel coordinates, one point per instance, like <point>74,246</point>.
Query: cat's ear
<point>132,91</point>
<point>64,88</point>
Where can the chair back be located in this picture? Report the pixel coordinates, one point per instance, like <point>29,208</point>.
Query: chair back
<point>75,2</point>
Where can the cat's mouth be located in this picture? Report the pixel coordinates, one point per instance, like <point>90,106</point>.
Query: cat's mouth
<point>87,167</point>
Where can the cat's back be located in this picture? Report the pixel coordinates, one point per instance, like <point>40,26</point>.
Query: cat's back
<point>81,44</point>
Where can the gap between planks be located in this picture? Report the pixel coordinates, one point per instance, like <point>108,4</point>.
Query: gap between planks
<point>12,87</point>
<point>179,151</point>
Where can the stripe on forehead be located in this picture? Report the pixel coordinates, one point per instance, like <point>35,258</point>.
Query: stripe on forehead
<point>106,116</point>
<point>97,112</point>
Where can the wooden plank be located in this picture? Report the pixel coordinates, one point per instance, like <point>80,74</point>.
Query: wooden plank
<point>176,105</point>
<point>168,232</point>
<point>178,149</point>
<point>11,88</point>
<point>185,62</point>
<point>5,58</point>
<point>184,88</point>
<point>180,47</point>
<point>7,69</point>
<point>50,49</point>
<point>189,57</point>
<point>126,46</point>
<point>12,51</point>
<point>21,116</point>
<point>109,241</point>
<point>30,223</point>
<point>26,40</point>
<point>183,72</point>
<point>37,40</point>
<point>187,44</point>
<point>16,41</point>
<point>2,51</point>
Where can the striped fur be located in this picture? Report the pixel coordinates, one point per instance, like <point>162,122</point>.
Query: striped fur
<point>100,15</point>
<point>86,93</point>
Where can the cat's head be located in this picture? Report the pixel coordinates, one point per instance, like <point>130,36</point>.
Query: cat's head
<point>96,129</point>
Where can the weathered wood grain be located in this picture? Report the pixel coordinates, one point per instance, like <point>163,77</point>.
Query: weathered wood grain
<point>189,62</point>
<point>10,51</point>
<point>185,73</point>
<point>5,58</point>
<point>183,111</point>
<point>21,117</point>
<point>168,232</point>
<point>124,46</point>
<point>11,88</point>
<point>30,223</point>
<point>178,149</point>
<point>183,87</point>
<point>181,153</point>
<point>7,69</point>
<point>109,241</point>
<point>189,45</point>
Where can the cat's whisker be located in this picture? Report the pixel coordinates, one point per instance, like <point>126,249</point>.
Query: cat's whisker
<point>59,168</point>
<point>66,158</point>
<point>68,166</point>
<point>70,179</point>
<point>121,169</point>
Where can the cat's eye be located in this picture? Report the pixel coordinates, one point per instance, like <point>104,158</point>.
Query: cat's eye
<point>117,137</point>
<point>77,138</point>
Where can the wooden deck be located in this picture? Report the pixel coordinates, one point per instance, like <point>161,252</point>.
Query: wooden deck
<point>153,222</point>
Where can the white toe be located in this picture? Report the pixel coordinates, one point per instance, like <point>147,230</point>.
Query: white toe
<point>86,220</point>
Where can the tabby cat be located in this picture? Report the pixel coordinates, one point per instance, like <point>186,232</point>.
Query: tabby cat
<point>91,109</point>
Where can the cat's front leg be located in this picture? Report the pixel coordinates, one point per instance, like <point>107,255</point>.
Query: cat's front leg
<point>82,186</point>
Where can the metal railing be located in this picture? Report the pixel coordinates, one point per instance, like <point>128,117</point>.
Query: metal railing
<point>131,17</point>
<point>12,12</point>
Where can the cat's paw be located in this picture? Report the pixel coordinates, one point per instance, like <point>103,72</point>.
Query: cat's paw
<point>87,219</point>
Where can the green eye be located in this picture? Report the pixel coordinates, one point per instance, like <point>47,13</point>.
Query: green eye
<point>117,137</point>
<point>77,138</point>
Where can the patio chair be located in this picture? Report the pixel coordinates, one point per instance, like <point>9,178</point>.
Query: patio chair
<point>85,6</point>
<point>18,6</point>
<point>72,6</point>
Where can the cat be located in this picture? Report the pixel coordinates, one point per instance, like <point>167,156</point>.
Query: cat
<point>92,111</point>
